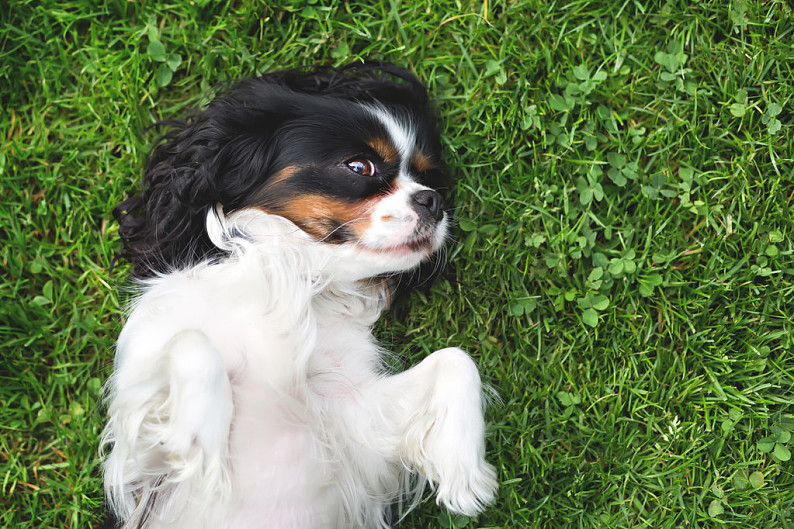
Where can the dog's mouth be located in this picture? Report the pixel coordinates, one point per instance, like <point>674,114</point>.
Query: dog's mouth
<point>420,245</point>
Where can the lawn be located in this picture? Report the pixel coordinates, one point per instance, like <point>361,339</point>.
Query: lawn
<point>622,271</point>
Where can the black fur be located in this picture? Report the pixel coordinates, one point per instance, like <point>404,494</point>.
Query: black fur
<point>227,152</point>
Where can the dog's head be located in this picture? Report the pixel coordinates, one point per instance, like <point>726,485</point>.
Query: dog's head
<point>351,156</point>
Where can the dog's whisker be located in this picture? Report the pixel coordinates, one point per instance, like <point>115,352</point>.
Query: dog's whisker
<point>340,226</point>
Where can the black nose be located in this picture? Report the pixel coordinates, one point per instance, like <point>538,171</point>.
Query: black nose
<point>428,203</point>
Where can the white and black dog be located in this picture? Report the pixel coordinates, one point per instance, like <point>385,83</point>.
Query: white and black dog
<point>248,392</point>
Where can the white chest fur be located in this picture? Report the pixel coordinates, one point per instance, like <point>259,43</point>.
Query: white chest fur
<point>250,393</point>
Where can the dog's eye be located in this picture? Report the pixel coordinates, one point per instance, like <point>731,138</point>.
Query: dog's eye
<point>362,167</point>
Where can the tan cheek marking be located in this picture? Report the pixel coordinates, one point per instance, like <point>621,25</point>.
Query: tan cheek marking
<point>319,216</point>
<point>385,149</point>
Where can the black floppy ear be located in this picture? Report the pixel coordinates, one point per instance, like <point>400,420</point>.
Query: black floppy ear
<point>221,155</point>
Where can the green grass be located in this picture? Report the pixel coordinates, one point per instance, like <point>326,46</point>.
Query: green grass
<point>623,271</point>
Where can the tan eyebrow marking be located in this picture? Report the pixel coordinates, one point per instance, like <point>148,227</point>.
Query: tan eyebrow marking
<point>422,162</point>
<point>385,149</point>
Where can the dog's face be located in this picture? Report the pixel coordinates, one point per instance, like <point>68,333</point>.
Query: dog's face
<point>361,177</point>
<point>350,157</point>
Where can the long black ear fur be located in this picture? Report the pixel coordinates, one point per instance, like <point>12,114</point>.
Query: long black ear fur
<point>222,154</point>
<point>218,156</point>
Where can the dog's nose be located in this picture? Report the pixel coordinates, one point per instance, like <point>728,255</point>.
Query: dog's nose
<point>428,203</point>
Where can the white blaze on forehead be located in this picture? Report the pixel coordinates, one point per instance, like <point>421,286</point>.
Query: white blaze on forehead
<point>401,134</point>
<point>394,220</point>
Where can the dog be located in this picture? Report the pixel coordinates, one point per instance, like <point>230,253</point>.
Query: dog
<point>274,227</point>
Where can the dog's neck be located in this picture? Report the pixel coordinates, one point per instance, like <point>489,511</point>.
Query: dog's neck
<point>360,301</point>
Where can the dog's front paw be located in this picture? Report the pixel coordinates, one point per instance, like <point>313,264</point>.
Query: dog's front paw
<point>470,492</point>
<point>448,444</point>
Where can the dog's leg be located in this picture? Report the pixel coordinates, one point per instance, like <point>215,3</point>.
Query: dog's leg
<point>434,416</point>
<point>200,399</point>
<point>169,427</point>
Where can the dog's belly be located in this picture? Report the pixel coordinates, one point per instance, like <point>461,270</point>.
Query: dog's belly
<point>282,476</point>
<point>295,375</point>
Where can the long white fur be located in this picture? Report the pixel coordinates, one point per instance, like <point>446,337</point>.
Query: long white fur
<point>250,393</point>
